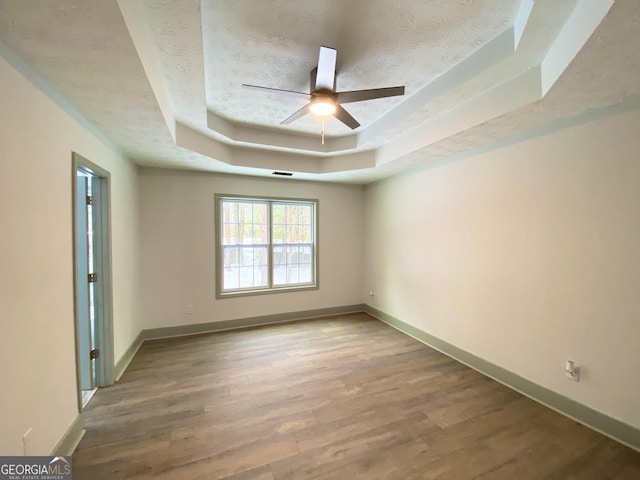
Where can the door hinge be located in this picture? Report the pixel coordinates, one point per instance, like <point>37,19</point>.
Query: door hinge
<point>93,277</point>
<point>94,354</point>
<point>89,200</point>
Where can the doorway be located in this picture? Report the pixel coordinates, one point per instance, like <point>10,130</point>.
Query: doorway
<point>92,275</point>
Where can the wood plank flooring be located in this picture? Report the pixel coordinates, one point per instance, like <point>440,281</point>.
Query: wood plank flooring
<point>343,397</point>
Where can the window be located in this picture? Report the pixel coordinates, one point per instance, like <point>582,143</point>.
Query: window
<point>265,245</point>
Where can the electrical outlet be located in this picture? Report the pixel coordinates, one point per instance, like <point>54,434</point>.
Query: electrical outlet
<point>189,309</point>
<point>26,442</point>
<point>572,371</point>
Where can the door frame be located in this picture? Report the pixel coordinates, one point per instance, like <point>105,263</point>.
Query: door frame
<point>103,287</point>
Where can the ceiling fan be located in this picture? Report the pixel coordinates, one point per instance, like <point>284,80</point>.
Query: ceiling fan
<point>324,100</point>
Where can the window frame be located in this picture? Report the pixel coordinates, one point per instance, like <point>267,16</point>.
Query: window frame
<point>219,246</point>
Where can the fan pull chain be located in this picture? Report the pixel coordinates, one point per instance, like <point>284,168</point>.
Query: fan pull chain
<point>323,131</point>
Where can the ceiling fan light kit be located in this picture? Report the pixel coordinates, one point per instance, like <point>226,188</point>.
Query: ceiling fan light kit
<point>324,100</point>
<point>323,106</point>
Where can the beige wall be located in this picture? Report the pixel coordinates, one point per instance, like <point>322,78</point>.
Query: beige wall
<point>178,247</point>
<point>37,349</point>
<point>525,256</point>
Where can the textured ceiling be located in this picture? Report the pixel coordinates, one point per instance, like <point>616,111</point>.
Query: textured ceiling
<point>161,79</point>
<point>379,44</point>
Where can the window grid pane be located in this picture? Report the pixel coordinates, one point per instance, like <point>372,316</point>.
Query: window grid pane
<point>246,236</point>
<point>245,223</point>
<point>244,240</point>
<point>292,238</point>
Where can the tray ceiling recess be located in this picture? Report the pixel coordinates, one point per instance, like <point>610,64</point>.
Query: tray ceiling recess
<point>162,79</point>
<point>237,45</point>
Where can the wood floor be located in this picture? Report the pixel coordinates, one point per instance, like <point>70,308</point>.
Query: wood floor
<point>343,397</point>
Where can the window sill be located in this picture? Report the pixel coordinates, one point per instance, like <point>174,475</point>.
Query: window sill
<point>265,291</point>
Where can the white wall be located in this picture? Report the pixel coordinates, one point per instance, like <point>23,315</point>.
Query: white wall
<point>178,247</point>
<point>525,256</point>
<point>37,349</point>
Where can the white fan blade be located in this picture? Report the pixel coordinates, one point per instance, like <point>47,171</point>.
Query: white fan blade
<point>326,68</point>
